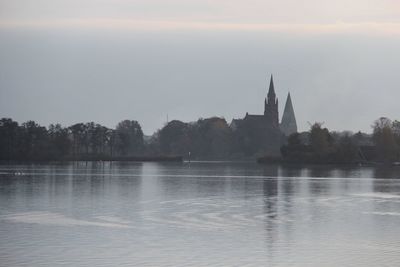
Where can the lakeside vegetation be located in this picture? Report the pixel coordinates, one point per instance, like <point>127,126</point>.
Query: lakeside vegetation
<point>210,138</point>
<point>206,138</point>
<point>31,141</point>
<point>319,145</point>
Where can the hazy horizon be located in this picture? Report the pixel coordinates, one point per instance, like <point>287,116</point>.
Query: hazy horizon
<point>105,61</point>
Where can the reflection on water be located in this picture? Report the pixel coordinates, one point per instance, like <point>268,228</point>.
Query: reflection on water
<point>198,214</point>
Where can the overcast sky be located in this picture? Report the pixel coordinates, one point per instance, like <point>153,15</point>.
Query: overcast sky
<point>74,61</point>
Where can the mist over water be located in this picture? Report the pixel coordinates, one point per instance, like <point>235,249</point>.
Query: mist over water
<point>198,214</point>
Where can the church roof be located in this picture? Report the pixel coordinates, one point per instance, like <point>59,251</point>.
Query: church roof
<point>258,121</point>
<point>254,117</point>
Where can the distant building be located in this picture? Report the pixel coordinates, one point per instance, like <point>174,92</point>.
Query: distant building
<point>262,134</point>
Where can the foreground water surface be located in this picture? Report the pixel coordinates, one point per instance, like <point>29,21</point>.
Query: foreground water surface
<point>198,214</point>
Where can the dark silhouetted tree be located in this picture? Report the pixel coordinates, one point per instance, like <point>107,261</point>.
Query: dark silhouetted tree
<point>346,149</point>
<point>8,138</point>
<point>77,131</point>
<point>212,138</point>
<point>174,138</point>
<point>60,143</point>
<point>320,139</point>
<point>34,140</point>
<point>384,139</point>
<point>129,138</point>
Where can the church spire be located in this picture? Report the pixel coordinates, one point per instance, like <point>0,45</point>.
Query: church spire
<point>271,104</point>
<point>288,124</point>
<point>271,91</point>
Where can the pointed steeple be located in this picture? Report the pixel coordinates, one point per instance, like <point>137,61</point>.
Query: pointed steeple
<point>271,91</point>
<point>288,124</point>
<point>289,104</point>
<point>271,104</point>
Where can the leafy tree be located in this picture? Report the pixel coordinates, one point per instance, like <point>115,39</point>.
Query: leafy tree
<point>110,137</point>
<point>320,139</point>
<point>129,137</point>
<point>34,140</point>
<point>8,138</point>
<point>77,131</point>
<point>346,149</point>
<point>384,139</point>
<point>212,138</point>
<point>294,139</point>
<point>396,132</point>
<point>60,142</point>
<point>99,139</point>
<point>174,138</point>
<point>295,150</point>
<point>87,138</point>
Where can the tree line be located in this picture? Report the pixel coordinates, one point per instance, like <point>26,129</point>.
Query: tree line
<point>31,141</point>
<point>319,145</point>
<point>210,138</point>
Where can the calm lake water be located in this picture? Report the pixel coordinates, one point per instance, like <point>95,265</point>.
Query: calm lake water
<point>198,214</point>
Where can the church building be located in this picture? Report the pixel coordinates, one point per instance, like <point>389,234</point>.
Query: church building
<point>263,134</point>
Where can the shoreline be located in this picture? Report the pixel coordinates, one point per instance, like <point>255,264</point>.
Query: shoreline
<point>267,160</point>
<point>103,159</point>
